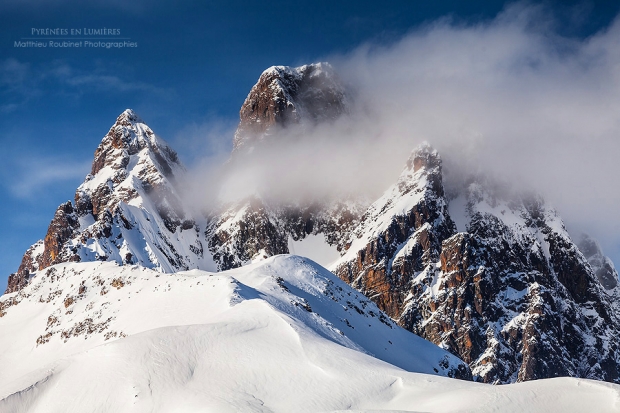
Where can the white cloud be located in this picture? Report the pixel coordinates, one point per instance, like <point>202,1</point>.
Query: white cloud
<point>510,97</point>
<point>36,174</point>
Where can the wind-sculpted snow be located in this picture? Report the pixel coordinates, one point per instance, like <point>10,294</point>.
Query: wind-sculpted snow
<point>164,333</point>
<point>281,335</point>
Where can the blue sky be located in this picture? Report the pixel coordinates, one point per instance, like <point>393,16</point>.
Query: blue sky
<point>194,65</point>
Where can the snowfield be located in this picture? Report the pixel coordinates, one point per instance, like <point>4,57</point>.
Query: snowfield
<point>280,335</point>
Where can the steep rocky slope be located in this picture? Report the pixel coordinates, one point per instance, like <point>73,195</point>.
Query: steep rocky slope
<point>127,210</point>
<point>253,228</point>
<point>400,234</point>
<point>513,295</point>
<point>247,229</point>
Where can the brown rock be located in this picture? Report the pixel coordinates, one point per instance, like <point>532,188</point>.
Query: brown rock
<point>284,96</point>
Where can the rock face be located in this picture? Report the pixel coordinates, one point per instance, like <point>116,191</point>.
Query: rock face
<point>245,231</point>
<point>285,96</point>
<point>252,228</point>
<point>255,228</point>
<point>515,298</point>
<point>400,234</point>
<point>127,210</point>
<point>28,266</point>
<point>512,296</point>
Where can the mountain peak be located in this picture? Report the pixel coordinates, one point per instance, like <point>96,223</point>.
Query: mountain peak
<point>424,156</point>
<point>285,96</point>
<point>128,115</point>
<point>128,136</point>
<point>127,209</point>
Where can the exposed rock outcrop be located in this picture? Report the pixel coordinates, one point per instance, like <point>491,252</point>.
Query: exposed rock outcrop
<point>400,234</point>
<point>513,296</point>
<point>285,96</point>
<point>255,228</point>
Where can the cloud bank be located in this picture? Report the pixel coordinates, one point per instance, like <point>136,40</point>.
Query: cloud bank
<point>509,97</point>
<point>512,98</point>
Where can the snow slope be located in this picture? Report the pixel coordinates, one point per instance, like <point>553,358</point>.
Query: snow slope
<point>59,322</point>
<point>281,335</point>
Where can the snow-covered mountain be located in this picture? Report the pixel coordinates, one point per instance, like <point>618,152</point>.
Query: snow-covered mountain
<point>511,294</point>
<point>128,210</point>
<point>490,275</point>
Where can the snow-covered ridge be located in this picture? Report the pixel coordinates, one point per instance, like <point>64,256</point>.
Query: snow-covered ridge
<point>69,310</point>
<point>416,185</point>
<point>399,234</point>
<point>278,336</point>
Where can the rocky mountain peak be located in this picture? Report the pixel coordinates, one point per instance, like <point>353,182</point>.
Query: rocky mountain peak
<point>130,159</point>
<point>128,136</point>
<point>400,234</point>
<point>424,156</point>
<point>423,166</point>
<point>512,296</point>
<point>285,96</point>
<point>128,209</point>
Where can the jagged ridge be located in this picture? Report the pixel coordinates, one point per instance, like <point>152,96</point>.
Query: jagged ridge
<point>127,210</point>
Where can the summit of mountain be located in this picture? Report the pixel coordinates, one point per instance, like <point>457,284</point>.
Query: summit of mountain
<point>127,210</point>
<point>284,96</point>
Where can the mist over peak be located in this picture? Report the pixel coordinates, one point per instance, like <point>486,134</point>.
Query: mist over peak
<point>510,97</point>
